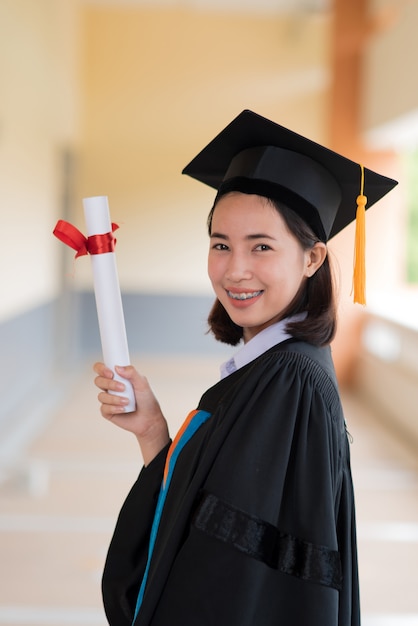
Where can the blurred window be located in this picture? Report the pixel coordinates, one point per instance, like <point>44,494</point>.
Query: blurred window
<point>412,226</point>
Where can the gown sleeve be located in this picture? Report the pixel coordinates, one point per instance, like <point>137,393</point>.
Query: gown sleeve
<point>127,554</point>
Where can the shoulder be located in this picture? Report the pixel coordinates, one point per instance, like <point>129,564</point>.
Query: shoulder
<point>286,371</point>
<point>319,359</point>
<point>309,367</point>
<point>292,369</point>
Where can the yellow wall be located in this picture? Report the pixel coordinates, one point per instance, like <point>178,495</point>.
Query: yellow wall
<point>38,118</point>
<point>134,93</point>
<point>158,84</point>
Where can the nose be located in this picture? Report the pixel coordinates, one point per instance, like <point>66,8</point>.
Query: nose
<point>238,268</point>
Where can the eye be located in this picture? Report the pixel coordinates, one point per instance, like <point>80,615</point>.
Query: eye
<point>220,246</point>
<point>262,247</point>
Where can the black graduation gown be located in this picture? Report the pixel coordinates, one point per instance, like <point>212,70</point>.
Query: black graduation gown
<point>258,527</point>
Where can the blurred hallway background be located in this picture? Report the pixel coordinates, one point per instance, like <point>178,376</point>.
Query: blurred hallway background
<point>114,97</point>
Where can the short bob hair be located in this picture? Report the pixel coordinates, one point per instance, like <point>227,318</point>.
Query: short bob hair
<point>315,297</point>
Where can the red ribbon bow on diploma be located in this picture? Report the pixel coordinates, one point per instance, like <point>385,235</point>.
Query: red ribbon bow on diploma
<point>96,244</point>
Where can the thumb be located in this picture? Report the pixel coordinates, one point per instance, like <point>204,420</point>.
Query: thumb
<point>138,382</point>
<point>147,403</point>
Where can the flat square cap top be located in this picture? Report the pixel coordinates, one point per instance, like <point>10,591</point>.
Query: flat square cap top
<point>255,155</point>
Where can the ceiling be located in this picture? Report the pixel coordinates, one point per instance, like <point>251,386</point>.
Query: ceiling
<point>242,6</point>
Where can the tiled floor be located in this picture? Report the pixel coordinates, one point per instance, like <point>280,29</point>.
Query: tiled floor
<point>59,501</point>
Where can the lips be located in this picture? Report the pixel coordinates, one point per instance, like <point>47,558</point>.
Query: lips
<point>245,295</point>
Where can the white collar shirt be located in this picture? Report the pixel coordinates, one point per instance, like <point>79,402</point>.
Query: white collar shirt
<point>263,341</point>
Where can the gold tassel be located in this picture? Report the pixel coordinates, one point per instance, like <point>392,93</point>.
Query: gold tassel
<point>359,275</point>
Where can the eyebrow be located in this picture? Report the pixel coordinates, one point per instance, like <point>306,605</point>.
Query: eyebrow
<point>248,237</point>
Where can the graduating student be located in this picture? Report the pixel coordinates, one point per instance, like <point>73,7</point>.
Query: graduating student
<point>247,518</point>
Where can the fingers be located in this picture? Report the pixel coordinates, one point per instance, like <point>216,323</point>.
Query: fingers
<point>147,405</point>
<point>111,404</point>
<point>105,379</point>
<point>110,385</point>
<point>102,370</point>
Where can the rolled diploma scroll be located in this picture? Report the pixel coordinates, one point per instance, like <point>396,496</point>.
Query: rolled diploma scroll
<point>108,296</point>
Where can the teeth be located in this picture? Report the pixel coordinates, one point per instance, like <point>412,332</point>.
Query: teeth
<point>244,296</point>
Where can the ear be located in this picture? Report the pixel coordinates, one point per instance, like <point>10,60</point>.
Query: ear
<point>315,256</point>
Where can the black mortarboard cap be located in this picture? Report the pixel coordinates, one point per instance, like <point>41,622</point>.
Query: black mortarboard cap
<point>255,155</point>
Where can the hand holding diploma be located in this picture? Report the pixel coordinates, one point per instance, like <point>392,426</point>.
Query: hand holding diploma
<point>147,423</point>
<point>100,245</point>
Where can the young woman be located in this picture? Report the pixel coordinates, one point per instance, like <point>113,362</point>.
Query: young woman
<point>247,517</point>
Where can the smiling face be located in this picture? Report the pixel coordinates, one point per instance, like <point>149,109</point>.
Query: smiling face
<point>256,265</point>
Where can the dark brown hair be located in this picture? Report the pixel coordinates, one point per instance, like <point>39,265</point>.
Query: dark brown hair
<point>315,296</point>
